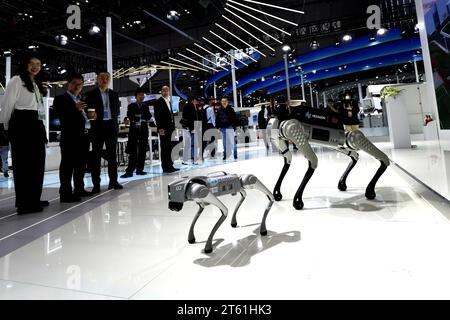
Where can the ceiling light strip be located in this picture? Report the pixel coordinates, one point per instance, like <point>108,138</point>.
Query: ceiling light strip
<point>274,6</point>
<point>206,50</point>
<point>232,45</point>
<point>188,64</point>
<point>253,26</point>
<point>231,33</point>
<point>178,66</point>
<point>210,61</point>
<point>212,43</point>
<point>258,19</point>
<point>265,13</point>
<point>256,38</point>
<point>186,57</point>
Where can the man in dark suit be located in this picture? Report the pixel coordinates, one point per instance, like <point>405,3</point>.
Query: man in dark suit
<point>104,130</point>
<point>166,126</point>
<point>139,115</point>
<point>74,141</point>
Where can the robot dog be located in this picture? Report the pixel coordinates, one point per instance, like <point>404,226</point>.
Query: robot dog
<point>305,126</point>
<point>204,190</point>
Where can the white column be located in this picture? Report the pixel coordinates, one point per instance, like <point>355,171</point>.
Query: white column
<point>416,69</point>
<point>324,99</point>
<point>170,84</point>
<point>360,92</point>
<point>398,79</point>
<point>317,98</point>
<point>240,95</point>
<point>233,80</point>
<point>215,90</point>
<point>109,49</point>
<point>311,94</point>
<point>8,70</point>
<point>288,86</point>
<point>303,87</point>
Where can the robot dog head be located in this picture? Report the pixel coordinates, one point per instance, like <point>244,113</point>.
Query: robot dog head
<point>176,193</point>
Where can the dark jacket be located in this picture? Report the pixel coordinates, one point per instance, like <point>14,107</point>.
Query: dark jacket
<point>163,116</point>
<point>190,115</point>
<point>145,115</point>
<point>94,101</point>
<point>262,121</point>
<point>72,120</point>
<point>226,118</point>
<point>351,118</point>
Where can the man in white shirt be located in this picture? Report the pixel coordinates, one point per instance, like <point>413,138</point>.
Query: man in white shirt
<point>211,125</point>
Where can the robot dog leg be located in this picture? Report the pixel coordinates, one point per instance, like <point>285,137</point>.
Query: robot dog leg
<point>282,146</point>
<point>354,156</point>
<point>294,131</point>
<point>356,140</point>
<point>249,181</point>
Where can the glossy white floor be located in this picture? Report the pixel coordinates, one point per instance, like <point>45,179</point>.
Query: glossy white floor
<point>341,246</point>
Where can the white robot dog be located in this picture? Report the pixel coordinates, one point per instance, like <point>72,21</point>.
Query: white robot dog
<point>306,126</point>
<point>204,190</point>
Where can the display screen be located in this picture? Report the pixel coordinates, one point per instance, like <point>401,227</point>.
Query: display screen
<point>320,134</point>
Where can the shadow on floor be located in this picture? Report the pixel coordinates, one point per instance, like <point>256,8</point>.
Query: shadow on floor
<point>240,253</point>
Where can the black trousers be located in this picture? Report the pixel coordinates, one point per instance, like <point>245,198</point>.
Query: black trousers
<point>137,148</point>
<point>213,139</point>
<point>104,133</point>
<point>28,138</point>
<point>166,150</point>
<point>74,155</point>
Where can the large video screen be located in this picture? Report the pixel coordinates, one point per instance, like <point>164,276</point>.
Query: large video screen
<point>437,23</point>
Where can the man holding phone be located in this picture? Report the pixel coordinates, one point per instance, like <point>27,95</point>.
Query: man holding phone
<point>74,141</point>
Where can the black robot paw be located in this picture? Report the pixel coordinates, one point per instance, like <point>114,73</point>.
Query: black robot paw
<point>342,186</point>
<point>191,241</point>
<point>370,194</point>
<point>263,233</point>
<point>234,225</point>
<point>209,250</point>
<point>277,195</point>
<point>298,204</point>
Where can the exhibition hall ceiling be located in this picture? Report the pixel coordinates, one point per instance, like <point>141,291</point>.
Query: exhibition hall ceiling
<point>142,32</point>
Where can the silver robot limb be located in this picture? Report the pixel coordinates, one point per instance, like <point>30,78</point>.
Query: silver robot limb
<point>294,131</point>
<point>357,141</point>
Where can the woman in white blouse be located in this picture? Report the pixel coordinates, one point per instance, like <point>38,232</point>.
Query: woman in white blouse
<point>22,112</point>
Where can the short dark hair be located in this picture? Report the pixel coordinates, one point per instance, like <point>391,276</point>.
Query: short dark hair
<point>330,100</point>
<point>224,97</point>
<point>139,90</point>
<point>190,98</point>
<point>75,76</point>
<point>103,71</point>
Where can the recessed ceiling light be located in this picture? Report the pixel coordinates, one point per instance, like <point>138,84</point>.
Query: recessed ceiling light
<point>347,38</point>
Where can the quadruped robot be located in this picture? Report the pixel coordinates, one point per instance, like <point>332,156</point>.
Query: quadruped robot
<point>305,126</point>
<point>205,190</point>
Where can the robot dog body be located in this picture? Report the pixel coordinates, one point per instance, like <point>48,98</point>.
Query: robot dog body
<point>312,126</point>
<point>205,190</point>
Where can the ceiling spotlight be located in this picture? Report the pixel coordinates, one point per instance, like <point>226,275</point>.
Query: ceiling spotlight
<point>94,30</point>
<point>63,71</point>
<point>62,39</point>
<point>381,32</point>
<point>347,38</point>
<point>286,48</point>
<point>314,45</point>
<point>32,47</point>
<point>173,15</point>
<point>7,52</point>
